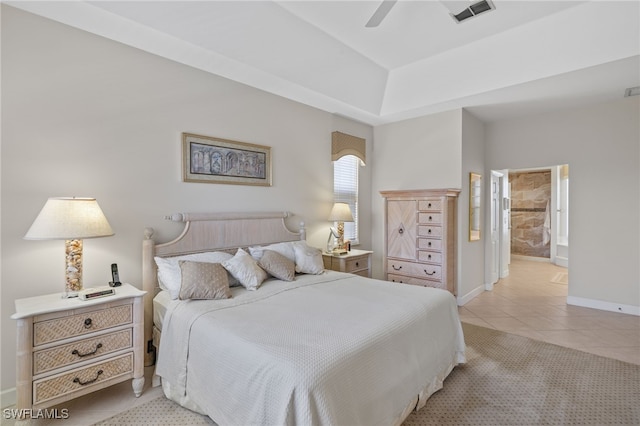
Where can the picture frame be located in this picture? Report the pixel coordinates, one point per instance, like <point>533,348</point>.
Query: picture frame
<point>215,160</point>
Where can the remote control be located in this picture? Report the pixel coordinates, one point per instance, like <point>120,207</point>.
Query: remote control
<point>114,276</point>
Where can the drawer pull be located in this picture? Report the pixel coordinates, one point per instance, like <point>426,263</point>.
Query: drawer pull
<point>88,382</point>
<point>425,271</point>
<point>88,323</point>
<point>76,352</point>
<point>401,229</point>
<point>430,218</point>
<point>397,281</point>
<point>429,244</point>
<point>429,205</point>
<point>357,264</point>
<point>429,231</point>
<point>396,269</point>
<point>429,257</point>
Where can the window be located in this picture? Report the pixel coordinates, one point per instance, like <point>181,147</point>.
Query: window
<point>345,190</point>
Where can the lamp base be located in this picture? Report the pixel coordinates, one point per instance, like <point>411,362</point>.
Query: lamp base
<point>72,268</point>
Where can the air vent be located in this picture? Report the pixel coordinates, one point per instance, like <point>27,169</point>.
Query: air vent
<point>632,91</point>
<point>474,10</point>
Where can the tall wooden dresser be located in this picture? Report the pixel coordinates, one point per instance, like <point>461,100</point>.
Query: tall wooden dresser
<point>421,235</point>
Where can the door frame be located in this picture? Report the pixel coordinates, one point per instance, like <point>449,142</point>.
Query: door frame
<point>498,224</point>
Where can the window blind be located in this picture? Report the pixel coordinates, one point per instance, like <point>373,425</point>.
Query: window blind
<point>345,190</point>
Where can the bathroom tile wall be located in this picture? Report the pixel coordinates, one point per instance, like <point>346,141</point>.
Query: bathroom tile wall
<point>530,195</point>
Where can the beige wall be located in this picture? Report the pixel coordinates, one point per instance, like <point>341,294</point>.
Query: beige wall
<point>85,116</point>
<point>471,268</point>
<point>601,144</point>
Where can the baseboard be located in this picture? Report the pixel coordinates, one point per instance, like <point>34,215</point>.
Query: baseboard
<point>562,261</point>
<point>462,300</point>
<point>8,398</point>
<point>603,306</point>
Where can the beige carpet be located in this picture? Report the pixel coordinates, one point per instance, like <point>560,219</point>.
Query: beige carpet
<point>508,380</point>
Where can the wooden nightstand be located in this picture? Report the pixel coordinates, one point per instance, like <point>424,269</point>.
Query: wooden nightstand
<point>71,347</point>
<point>355,262</point>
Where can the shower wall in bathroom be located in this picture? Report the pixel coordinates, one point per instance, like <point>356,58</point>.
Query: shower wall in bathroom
<point>530,198</point>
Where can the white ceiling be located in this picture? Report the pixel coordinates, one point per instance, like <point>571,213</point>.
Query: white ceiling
<point>523,58</point>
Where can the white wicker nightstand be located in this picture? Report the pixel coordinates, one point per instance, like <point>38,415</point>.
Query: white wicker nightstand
<point>69,347</point>
<point>355,262</point>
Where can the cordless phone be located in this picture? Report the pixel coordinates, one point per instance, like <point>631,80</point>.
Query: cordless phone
<point>114,276</point>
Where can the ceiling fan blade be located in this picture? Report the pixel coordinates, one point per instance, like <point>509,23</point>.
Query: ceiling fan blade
<point>380,13</point>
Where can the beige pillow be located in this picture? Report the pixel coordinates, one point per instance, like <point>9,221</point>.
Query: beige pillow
<point>202,280</point>
<point>278,265</point>
<point>245,269</point>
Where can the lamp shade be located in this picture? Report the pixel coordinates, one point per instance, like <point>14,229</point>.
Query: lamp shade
<point>69,219</point>
<point>341,213</point>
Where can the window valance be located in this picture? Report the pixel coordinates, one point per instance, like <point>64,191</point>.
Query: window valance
<point>343,144</point>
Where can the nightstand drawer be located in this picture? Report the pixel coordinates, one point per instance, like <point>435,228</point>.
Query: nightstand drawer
<point>357,264</point>
<point>82,378</point>
<point>82,350</point>
<point>77,325</point>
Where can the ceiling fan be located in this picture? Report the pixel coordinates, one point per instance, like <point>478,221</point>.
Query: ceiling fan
<point>380,13</point>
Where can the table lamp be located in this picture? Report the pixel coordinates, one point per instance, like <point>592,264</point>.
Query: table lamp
<point>340,213</point>
<point>70,219</point>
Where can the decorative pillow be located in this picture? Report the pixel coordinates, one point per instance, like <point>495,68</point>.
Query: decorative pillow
<point>308,259</point>
<point>286,249</point>
<point>202,280</point>
<point>278,265</point>
<point>245,269</point>
<point>170,277</point>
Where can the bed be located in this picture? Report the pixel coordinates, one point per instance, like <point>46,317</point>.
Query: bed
<point>317,347</point>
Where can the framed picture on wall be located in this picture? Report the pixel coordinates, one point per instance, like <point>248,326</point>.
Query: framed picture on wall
<point>214,160</point>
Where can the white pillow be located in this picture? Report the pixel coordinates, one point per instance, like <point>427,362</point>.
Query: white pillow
<point>285,249</point>
<point>245,269</point>
<point>308,259</point>
<point>169,275</point>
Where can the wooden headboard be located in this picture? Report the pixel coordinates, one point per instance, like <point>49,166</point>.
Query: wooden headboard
<point>210,232</point>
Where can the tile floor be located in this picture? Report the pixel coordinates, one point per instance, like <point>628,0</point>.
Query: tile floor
<point>528,303</point>
<point>531,302</point>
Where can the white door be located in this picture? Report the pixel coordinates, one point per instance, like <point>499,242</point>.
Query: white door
<point>494,271</point>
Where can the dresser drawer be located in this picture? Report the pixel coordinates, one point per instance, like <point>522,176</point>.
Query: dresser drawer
<point>429,231</point>
<point>82,350</point>
<point>81,378</point>
<point>430,218</point>
<point>419,270</point>
<point>429,244</point>
<point>430,256</point>
<point>78,325</point>
<point>415,281</point>
<point>430,205</point>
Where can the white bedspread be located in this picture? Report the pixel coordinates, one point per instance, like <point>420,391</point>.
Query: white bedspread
<point>328,349</point>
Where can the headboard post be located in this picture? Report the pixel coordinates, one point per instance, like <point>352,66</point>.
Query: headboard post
<point>302,231</point>
<point>149,281</point>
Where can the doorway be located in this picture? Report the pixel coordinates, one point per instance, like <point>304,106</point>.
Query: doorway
<point>528,218</point>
